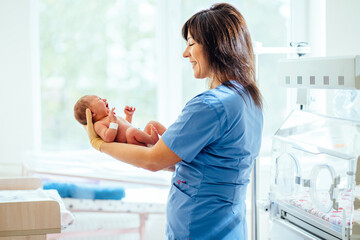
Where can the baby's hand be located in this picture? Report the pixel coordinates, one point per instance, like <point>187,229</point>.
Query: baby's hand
<point>129,110</point>
<point>112,116</point>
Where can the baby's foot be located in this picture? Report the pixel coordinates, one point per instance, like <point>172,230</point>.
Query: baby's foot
<point>154,134</point>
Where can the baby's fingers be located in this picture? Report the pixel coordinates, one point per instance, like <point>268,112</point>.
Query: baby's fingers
<point>130,108</point>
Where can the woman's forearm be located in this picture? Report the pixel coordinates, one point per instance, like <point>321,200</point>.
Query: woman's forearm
<point>128,153</point>
<point>155,158</point>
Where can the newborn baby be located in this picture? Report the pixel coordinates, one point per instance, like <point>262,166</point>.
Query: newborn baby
<point>112,128</point>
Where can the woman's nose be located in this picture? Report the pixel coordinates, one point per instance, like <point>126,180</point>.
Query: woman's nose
<point>186,52</point>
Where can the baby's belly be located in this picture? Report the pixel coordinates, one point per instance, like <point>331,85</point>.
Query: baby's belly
<point>121,133</point>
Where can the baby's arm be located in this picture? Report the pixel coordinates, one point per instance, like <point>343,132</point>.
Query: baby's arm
<point>107,134</point>
<point>129,111</point>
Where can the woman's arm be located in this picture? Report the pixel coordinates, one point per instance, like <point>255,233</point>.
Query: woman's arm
<point>154,159</point>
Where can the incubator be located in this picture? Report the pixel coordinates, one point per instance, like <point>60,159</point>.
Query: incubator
<point>314,173</point>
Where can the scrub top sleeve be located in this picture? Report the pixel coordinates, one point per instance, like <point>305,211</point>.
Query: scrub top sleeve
<point>197,126</point>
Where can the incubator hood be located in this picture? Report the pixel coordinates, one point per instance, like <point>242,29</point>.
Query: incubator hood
<point>319,134</point>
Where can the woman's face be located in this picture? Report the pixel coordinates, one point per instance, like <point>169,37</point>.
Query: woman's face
<point>200,63</point>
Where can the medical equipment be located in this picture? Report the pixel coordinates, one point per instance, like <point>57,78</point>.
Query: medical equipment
<point>28,212</point>
<point>315,169</point>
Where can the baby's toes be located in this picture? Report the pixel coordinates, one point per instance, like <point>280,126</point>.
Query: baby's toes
<point>154,134</point>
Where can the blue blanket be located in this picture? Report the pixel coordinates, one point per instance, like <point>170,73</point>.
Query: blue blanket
<point>85,191</point>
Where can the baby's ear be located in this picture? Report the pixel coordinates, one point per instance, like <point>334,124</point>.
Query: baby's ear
<point>93,114</point>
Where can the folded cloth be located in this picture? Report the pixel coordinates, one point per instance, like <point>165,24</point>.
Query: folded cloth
<point>85,191</point>
<point>67,218</point>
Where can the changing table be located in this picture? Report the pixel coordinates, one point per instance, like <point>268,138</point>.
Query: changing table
<point>26,218</point>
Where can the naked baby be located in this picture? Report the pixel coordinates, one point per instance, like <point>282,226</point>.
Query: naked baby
<point>112,128</point>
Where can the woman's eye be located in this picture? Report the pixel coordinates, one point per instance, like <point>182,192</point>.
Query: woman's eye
<point>191,44</point>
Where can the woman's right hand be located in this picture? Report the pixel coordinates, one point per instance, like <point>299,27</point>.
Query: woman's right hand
<point>95,140</point>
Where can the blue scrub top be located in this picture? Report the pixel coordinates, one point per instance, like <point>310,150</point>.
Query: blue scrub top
<point>218,136</point>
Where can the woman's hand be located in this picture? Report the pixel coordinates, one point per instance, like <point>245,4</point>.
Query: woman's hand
<point>95,140</point>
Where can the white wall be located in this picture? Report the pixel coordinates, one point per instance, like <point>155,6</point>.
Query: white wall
<point>342,27</point>
<point>16,89</point>
<point>333,27</point>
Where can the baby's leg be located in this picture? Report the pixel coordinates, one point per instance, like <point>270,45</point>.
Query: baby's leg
<point>138,137</point>
<point>159,127</point>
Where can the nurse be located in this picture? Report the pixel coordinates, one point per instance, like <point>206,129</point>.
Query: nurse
<point>217,136</point>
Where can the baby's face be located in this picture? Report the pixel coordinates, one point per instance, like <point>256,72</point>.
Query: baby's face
<point>99,106</point>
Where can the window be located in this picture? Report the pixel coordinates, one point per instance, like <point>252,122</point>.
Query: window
<point>110,48</point>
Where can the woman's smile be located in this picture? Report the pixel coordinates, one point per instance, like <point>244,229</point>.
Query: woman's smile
<point>193,64</point>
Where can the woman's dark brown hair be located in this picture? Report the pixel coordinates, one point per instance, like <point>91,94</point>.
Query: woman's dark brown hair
<point>223,32</point>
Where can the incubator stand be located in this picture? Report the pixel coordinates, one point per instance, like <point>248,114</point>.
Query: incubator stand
<point>315,172</point>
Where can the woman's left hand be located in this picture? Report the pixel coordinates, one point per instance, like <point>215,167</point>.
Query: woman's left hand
<point>95,140</point>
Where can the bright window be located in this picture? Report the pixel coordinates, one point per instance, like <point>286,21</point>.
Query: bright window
<point>111,48</point>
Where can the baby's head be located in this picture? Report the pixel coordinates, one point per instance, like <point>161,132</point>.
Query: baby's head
<point>99,108</point>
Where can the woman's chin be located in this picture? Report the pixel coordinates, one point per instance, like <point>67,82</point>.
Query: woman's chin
<point>197,76</point>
